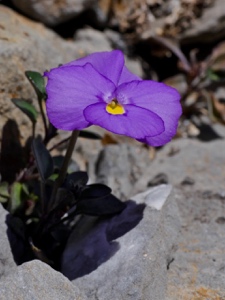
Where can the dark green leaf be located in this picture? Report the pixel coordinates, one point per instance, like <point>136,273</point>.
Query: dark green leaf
<point>16,232</point>
<point>4,192</point>
<point>90,135</point>
<point>100,207</point>
<point>58,161</point>
<point>38,83</point>
<point>26,108</point>
<point>76,180</point>
<point>63,198</point>
<point>95,191</point>
<point>43,159</point>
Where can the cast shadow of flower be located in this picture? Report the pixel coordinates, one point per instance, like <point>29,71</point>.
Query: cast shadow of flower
<point>93,242</point>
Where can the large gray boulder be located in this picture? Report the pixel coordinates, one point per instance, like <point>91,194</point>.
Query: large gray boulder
<point>125,257</point>
<point>37,281</point>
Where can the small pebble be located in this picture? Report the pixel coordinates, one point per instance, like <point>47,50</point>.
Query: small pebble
<point>188,181</point>
<point>220,220</point>
<point>160,178</point>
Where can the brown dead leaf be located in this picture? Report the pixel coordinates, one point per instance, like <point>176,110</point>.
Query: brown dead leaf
<point>152,153</point>
<point>217,59</point>
<point>218,109</point>
<point>108,139</point>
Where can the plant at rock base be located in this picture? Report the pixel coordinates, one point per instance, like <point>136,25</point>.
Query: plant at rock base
<point>42,195</point>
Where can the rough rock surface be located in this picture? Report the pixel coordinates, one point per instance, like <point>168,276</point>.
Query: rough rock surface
<point>91,40</point>
<point>120,166</point>
<point>25,45</point>
<point>37,281</point>
<point>53,12</point>
<point>198,269</point>
<point>196,169</point>
<point>126,256</point>
<point>182,158</point>
<point>7,264</point>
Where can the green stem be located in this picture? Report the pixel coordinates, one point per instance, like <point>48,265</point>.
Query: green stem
<point>33,129</point>
<point>43,197</point>
<point>59,144</point>
<point>43,116</point>
<point>64,167</point>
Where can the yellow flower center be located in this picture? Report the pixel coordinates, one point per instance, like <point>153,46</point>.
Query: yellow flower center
<point>115,108</point>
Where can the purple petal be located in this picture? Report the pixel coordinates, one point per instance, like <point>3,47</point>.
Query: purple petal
<point>136,122</point>
<point>70,90</point>
<point>127,76</point>
<point>109,64</point>
<point>158,98</point>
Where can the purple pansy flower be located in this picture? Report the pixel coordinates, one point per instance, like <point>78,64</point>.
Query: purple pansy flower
<point>99,90</point>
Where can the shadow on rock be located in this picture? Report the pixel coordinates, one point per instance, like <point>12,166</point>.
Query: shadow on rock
<point>93,241</point>
<point>11,158</point>
<point>207,133</point>
<point>20,247</point>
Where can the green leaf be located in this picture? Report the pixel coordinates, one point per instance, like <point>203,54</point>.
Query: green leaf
<point>26,108</point>
<point>53,177</point>
<point>94,191</point>
<point>76,180</point>
<point>38,83</point>
<point>58,161</point>
<point>90,135</point>
<point>16,193</point>
<point>4,193</point>
<point>43,159</point>
<point>107,205</point>
<point>212,75</point>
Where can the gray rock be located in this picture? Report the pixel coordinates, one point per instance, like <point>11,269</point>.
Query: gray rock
<point>26,45</point>
<point>37,281</point>
<point>126,256</point>
<point>120,166</point>
<point>182,158</point>
<point>91,40</point>
<point>209,27</point>
<point>134,65</point>
<point>53,12</point>
<point>198,269</point>
<point>116,39</point>
<point>7,264</point>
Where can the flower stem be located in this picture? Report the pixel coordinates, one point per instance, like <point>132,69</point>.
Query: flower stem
<point>43,116</point>
<point>64,167</point>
